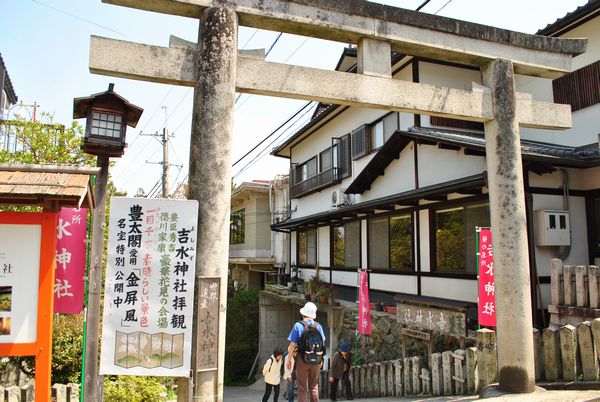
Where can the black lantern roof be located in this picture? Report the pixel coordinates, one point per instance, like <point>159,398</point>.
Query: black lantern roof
<point>107,100</point>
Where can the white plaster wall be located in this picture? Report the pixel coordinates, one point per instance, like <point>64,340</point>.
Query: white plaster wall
<point>591,31</point>
<point>578,179</point>
<point>399,177</point>
<point>450,288</point>
<point>452,77</point>
<point>346,278</point>
<point>591,178</point>
<point>424,238</point>
<point>364,258</point>
<point>293,248</point>
<point>579,245</point>
<point>441,165</point>
<point>323,250</point>
<point>394,283</point>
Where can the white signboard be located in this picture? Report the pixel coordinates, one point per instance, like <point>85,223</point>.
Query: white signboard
<point>19,279</point>
<point>149,288</point>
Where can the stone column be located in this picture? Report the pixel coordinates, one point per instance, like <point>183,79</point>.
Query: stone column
<point>507,212</point>
<point>210,172</point>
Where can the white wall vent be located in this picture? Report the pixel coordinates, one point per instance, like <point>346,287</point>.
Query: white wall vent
<point>552,228</point>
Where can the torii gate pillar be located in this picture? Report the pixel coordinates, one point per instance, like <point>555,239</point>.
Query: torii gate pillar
<point>507,213</point>
<point>210,177</point>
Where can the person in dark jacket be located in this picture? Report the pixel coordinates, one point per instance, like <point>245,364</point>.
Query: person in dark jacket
<point>340,367</point>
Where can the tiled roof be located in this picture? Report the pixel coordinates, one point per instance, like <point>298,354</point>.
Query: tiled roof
<point>8,87</point>
<point>558,27</point>
<point>581,156</point>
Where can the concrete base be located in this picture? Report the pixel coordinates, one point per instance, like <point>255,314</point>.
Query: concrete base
<point>494,391</point>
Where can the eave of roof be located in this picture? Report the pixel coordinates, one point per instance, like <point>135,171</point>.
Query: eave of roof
<point>572,19</point>
<point>8,86</point>
<point>406,198</point>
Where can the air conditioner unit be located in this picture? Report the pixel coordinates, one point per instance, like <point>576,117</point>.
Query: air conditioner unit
<point>337,198</point>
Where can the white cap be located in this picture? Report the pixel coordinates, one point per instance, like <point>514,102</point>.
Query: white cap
<point>309,310</point>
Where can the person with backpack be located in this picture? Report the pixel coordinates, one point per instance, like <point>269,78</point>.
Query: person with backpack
<point>272,372</point>
<point>341,364</point>
<point>307,335</point>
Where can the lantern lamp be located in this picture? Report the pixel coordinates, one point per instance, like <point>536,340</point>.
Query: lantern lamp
<point>108,116</point>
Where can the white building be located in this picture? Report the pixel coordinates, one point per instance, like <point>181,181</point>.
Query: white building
<point>401,194</point>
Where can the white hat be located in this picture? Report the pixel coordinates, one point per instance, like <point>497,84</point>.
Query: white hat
<point>309,310</point>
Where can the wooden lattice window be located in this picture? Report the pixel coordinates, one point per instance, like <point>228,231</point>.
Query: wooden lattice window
<point>580,89</point>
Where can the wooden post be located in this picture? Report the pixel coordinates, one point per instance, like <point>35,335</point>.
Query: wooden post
<point>569,282</point>
<point>407,380</point>
<point>390,378</point>
<point>472,375</point>
<point>448,373</point>
<point>557,282</point>
<point>436,374</point>
<point>593,273</point>
<point>91,379</point>
<point>460,382</point>
<point>416,374</point>
<point>398,377</point>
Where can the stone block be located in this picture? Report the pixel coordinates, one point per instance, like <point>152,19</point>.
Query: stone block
<point>398,378</point>
<point>426,381</point>
<point>472,374</point>
<point>382,379</point>
<point>538,355</point>
<point>587,352</point>
<point>568,352</point>
<point>448,373</point>
<point>12,394</point>
<point>552,359</point>
<point>570,290</point>
<point>596,336</point>
<point>436,374</point>
<point>581,286</point>
<point>460,372</point>
<point>389,369</point>
<point>416,375</point>
<point>407,377</point>
<point>28,393</point>
<point>593,274</point>
<point>556,282</point>
<point>375,379</point>
<point>487,359</point>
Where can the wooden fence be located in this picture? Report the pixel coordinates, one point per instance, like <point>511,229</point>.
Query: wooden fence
<point>564,354</point>
<point>60,393</point>
<point>575,294</point>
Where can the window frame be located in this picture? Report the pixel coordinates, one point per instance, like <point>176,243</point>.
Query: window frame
<point>456,204</point>
<point>234,235</point>
<point>389,216</point>
<point>316,244</point>
<point>332,229</point>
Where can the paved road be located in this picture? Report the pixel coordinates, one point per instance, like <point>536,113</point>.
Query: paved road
<point>254,393</point>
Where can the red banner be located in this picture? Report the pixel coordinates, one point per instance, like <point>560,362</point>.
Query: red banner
<point>364,312</point>
<point>487,293</point>
<point>70,260</point>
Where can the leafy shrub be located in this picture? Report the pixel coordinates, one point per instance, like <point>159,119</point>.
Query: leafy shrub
<point>134,389</point>
<point>241,334</point>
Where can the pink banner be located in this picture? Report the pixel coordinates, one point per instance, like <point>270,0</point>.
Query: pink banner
<point>70,260</point>
<point>364,312</point>
<point>487,293</point>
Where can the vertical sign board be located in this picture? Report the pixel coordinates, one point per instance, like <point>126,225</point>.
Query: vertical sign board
<point>27,252</point>
<point>19,280</point>
<point>69,281</point>
<point>208,323</point>
<point>487,294</point>
<point>149,287</point>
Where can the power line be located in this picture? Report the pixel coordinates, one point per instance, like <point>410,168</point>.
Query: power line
<point>444,6</point>
<point>272,133</point>
<point>78,17</point>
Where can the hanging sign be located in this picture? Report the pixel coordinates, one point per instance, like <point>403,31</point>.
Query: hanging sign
<point>149,287</point>
<point>487,293</point>
<point>19,281</point>
<point>364,312</point>
<point>69,278</point>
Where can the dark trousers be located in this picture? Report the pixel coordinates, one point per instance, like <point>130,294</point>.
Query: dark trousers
<point>267,394</point>
<point>345,383</point>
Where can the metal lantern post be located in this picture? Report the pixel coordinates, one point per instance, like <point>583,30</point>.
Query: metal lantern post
<point>107,117</point>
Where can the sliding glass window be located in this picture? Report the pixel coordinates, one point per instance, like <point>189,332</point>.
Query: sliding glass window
<point>391,243</point>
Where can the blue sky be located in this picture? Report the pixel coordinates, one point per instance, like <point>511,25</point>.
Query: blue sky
<point>45,47</point>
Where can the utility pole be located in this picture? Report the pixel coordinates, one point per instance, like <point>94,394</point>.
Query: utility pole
<point>163,138</point>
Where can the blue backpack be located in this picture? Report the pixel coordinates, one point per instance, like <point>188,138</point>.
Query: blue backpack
<point>310,344</point>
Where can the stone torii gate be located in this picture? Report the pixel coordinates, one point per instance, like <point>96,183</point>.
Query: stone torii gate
<point>217,71</point>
